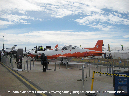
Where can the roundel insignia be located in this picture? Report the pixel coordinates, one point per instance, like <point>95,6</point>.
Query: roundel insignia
<point>97,46</point>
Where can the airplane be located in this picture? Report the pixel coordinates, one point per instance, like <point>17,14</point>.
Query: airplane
<point>111,54</point>
<point>13,51</point>
<point>10,50</point>
<point>68,51</point>
<point>32,51</point>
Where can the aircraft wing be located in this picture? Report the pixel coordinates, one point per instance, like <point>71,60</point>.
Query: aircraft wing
<point>97,52</point>
<point>62,56</point>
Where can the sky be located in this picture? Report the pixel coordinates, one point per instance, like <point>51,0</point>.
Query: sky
<point>27,23</point>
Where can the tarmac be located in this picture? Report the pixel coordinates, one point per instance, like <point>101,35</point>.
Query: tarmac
<point>61,81</point>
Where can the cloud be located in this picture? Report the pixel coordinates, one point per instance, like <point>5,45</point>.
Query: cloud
<point>5,22</point>
<point>86,39</point>
<point>92,9</point>
<point>102,18</point>
<point>117,20</point>
<point>16,18</point>
<point>97,14</point>
<point>92,20</point>
<point>116,5</point>
<point>126,36</point>
<point>63,8</point>
<point>20,5</point>
<point>101,26</point>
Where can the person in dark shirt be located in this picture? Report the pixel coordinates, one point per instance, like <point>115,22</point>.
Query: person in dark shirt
<point>44,61</point>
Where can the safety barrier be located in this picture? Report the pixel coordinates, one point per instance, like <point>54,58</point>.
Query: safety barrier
<point>121,63</point>
<point>7,61</point>
<point>10,62</point>
<point>112,74</point>
<point>104,73</point>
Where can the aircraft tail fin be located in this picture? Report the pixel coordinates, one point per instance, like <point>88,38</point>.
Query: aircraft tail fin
<point>98,46</point>
<point>56,46</point>
<point>14,47</point>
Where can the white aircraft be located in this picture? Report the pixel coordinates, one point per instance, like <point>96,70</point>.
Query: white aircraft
<point>68,51</point>
<point>116,54</point>
<point>11,50</point>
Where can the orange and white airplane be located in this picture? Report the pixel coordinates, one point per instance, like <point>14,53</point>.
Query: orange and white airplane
<point>69,51</point>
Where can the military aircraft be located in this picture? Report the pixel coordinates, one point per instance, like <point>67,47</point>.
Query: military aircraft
<point>11,50</point>
<point>116,54</point>
<point>68,51</point>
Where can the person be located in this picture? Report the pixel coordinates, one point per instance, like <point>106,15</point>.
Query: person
<point>41,48</point>
<point>42,58</point>
<point>44,61</point>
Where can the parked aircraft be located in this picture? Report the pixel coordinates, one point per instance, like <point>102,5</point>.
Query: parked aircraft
<point>117,55</point>
<point>69,51</point>
<point>11,50</point>
<point>111,54</point>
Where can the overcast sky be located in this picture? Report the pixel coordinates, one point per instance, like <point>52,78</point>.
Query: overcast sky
<point>64,22</point>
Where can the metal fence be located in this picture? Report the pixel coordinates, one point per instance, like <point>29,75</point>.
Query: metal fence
<point>111,64</point>
<point>27,63</point>
<point>7,60</point>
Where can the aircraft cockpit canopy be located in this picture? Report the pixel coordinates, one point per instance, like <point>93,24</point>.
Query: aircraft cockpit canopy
<point>75,47</point>
<point>64,48</point>
<point>69,47</point>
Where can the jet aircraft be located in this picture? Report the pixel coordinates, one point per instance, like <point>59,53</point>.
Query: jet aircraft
<point>68,51</point>
<point>11,50</point>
